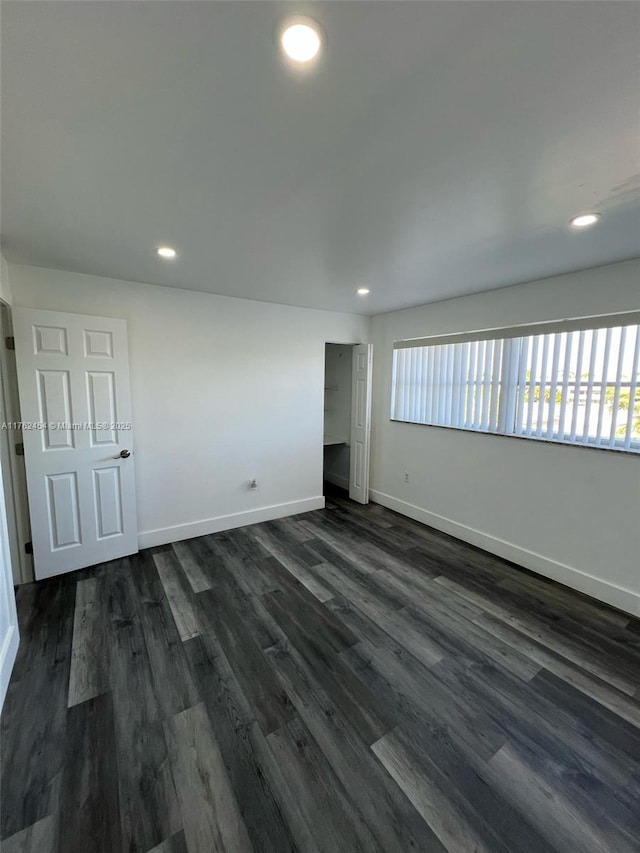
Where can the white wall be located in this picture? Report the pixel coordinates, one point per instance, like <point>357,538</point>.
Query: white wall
<point>223,390</point>
<point>569,513</point>
<point>5,287</point>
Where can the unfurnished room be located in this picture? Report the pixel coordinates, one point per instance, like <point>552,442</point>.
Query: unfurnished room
<point>319,426</point>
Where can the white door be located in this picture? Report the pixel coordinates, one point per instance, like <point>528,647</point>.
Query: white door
<point>73,381</point>
<point>8,618</point>
<point>360,423</point>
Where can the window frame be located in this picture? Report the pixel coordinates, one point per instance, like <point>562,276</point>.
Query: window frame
<point>513,368</point>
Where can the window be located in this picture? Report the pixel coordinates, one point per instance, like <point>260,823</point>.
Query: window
<point>563,383</point>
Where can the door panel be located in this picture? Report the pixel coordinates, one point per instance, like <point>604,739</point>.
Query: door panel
<point>73,380</point>
<point>108,501</point>
<point>101,393</point>
<point>360,423</point>
<point>64,512</point>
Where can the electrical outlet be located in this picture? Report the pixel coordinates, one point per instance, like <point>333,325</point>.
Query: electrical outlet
<point>405,477</point>
<point>253,485</point>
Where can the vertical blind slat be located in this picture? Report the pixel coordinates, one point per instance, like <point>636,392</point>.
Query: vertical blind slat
<point>603,385</point>
<point>557,345</point>
<point>616,393</point>
<point>468,417</point>
<point>631,413</point>
<point>522,381</point>
<point>564,393</point>
<point>531,385</point>
<point>486,385</point>
<point>592,365</point>
<point>434,386</point>
<point>495,386</point>
<point>577,388</point>
<point>541,388</point>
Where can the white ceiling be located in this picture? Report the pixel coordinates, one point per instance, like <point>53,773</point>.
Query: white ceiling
<point>438,149</point>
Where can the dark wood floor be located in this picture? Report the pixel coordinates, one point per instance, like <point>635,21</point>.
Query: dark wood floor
<point>345,680</point>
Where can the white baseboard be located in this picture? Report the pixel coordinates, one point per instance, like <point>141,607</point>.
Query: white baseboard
<point>337,480</point>
<point>164,535</point>
<point>624,599</point>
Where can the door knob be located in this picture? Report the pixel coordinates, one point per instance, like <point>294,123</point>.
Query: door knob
<point>124,454</point>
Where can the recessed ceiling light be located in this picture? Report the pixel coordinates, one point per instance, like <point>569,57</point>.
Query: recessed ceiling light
<point>585,220</point>
<point>300,39</point>
<point>166,252</point>
<point>362,291</point>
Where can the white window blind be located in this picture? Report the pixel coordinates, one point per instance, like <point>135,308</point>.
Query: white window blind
<point>580,386</point>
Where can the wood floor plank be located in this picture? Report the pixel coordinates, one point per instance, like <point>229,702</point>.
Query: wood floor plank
<point>462,809</point>
<point>463,640</point>
<point>239,588</point>
<point>355,700</point>
<point>390,817</point>
<point>414,694</point>
<point>616,701</point>
<point>596,719</point>
<point>238,556</point>
<point>176,844</point>
<point>34,717</point>
<point>448,824</point>
<point>540,727</point>
<point>292,565</point>
<point>268,700</point>
<point>40,837</point>
<point>384,615</point>
<point>191,566</point>
<point>255,781</point>
<point>321,798</point>
<point>567,827</point>
<point>360,574</point>
<point>210,813</point>
<point>544,634</point>
<point>149,805</point>
<point>90,807</point>
<point>174,687</point>
<point>181,606</point>
<point>88,675</point>
<point>304,611</point>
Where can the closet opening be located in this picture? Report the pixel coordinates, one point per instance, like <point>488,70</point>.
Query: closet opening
<point>347,419</point>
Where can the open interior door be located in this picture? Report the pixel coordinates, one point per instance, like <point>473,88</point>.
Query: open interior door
<point>73,381</point>
<point>361,423</point>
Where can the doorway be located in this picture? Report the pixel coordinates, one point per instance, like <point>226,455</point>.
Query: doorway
<point>347,419</point>
<point>11,458</point>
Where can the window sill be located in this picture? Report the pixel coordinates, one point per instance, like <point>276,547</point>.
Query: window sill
<point>633,451</point>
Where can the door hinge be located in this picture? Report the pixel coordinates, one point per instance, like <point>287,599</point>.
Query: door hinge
<point>10,342</point>
<point>19,448</point>
<point>28,547</point>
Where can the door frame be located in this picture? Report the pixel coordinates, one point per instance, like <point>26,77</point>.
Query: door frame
<point>11,640</point>
<point>15,483</point>
<point>343,343</point>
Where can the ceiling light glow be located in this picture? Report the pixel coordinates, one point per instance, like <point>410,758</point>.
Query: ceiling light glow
<point>166,252</point>
<point>585,220</point>
<point>300,39</point>
<point>362,291</point>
